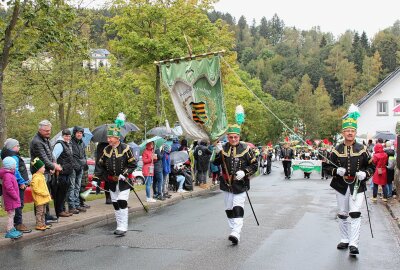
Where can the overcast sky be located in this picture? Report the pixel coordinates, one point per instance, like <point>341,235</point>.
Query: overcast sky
<point>335,16</point>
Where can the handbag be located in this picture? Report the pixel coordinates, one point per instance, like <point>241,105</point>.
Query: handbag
<point>380,171</point>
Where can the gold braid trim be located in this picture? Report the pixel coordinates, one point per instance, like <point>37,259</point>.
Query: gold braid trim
<point>117,155</point>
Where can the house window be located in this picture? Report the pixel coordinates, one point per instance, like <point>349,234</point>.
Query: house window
<point>396,102</point>
<point>382,108</point>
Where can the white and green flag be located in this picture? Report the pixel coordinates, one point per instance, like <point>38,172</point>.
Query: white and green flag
<point>307,165</point>
<point>196,91</point>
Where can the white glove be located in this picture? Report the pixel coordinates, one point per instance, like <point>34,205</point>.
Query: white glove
<point>94,183</point>
<point>361,175</point>
<point>240,175</point>
<point>340,171</point>
<point>121,177</point>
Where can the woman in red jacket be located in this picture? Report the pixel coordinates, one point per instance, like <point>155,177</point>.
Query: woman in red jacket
<point>380,159</point>
<point>148,158</point>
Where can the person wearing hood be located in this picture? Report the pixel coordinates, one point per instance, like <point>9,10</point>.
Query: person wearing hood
<point>380,159</point>
<point>202,157</point>
<point>79,161</point>
<point>149,157</point>
<point>11,149</point>
<point>10,195</point>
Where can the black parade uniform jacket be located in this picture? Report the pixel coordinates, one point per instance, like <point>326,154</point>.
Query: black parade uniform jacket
<point>112,163</point>
<point>353,158</point>
<point>233,159</point>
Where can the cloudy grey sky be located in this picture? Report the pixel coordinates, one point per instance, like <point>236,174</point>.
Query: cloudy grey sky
<point>335,16</point>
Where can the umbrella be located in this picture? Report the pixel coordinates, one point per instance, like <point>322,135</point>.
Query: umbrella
<point>163,131</point>
<point>397,109</point>
<point>158,142</point>
<point>100,132</point>
<point>87,136</point>
<point>250,145</point>
<point>135,149</point>
<point>179,157</point>
<point>385,135</point>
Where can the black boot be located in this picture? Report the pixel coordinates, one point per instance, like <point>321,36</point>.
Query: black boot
<point>353,250</point>
<point>342,245</point>
<point>108,198</point>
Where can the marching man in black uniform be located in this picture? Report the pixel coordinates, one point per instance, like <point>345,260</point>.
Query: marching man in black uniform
<point>116,162</point>
<point>354,168</point>
<point>238,163</point>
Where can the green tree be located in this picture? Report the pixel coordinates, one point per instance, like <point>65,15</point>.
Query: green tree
<point>306,108</point>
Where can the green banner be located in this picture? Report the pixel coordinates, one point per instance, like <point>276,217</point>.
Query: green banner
<point>307,165</point>
<point>196,91</point>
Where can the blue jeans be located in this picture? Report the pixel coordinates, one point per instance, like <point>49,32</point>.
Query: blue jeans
<point>73,190</point>
<point>389,188</point>
<point>149,182</point>
<point>158,178</point>
<point>180,179</point>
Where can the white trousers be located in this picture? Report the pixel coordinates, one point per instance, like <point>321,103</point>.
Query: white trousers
<point>349,230</point>
<point>121,215</point>
<point>231,200</point>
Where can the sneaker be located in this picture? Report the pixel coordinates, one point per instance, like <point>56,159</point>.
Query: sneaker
<point>150,200</point>
<point>384,200</point>
<point>181,191</point>
<point>22,228</point>
<point>74,211</point>
<point>13,234</point>
<point>85,206</point>
<point>41,228</point>
<point>374,200</point>
<point>64,214</point>
<point>353,250</point>
<point>342,245</point>
<point>81,209</point>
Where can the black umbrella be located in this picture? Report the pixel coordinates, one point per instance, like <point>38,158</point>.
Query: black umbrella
<point>178,157</point>
<point>100,132</point>
<point>385,135</point>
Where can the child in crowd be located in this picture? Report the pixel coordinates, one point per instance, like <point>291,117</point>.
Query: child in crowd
<point>10,195</point>
<point>40,193</point>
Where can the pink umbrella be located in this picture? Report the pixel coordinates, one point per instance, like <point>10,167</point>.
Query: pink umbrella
<point>397,108</point>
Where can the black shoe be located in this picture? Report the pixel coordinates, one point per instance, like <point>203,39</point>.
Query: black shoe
<point>161,198</point>
<point>288,177</point>
<point>85,206</point>
<point>51,218</point>
<point>119,233</point>
<point>342,245</point>
<point>353,250</point>
<point>233,239</point>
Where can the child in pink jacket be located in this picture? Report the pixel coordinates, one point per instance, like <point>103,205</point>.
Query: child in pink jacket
<point>10,195</point>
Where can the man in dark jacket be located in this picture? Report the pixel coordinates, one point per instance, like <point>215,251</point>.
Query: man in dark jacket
<point>202,157</point>
<point>238,163</point>
<point>11,149</point>
<point>287,155</point>
<point>40,147</point>
<point>79,161</point>
<point>158,176</point>
<point>63,153</point>
<point>351,168</point>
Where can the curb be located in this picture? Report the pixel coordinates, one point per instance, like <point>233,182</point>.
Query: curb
<point>391,212</point>
<point>105,219</point>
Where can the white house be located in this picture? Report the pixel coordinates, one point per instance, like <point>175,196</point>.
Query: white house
<point>98,58</point>
<point>376,108</point>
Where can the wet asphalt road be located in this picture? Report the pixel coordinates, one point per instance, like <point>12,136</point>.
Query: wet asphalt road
<point>298,230</point>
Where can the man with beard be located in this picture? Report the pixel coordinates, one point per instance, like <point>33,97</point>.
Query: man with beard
<point>238,163</point>
<point>353,169</point>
